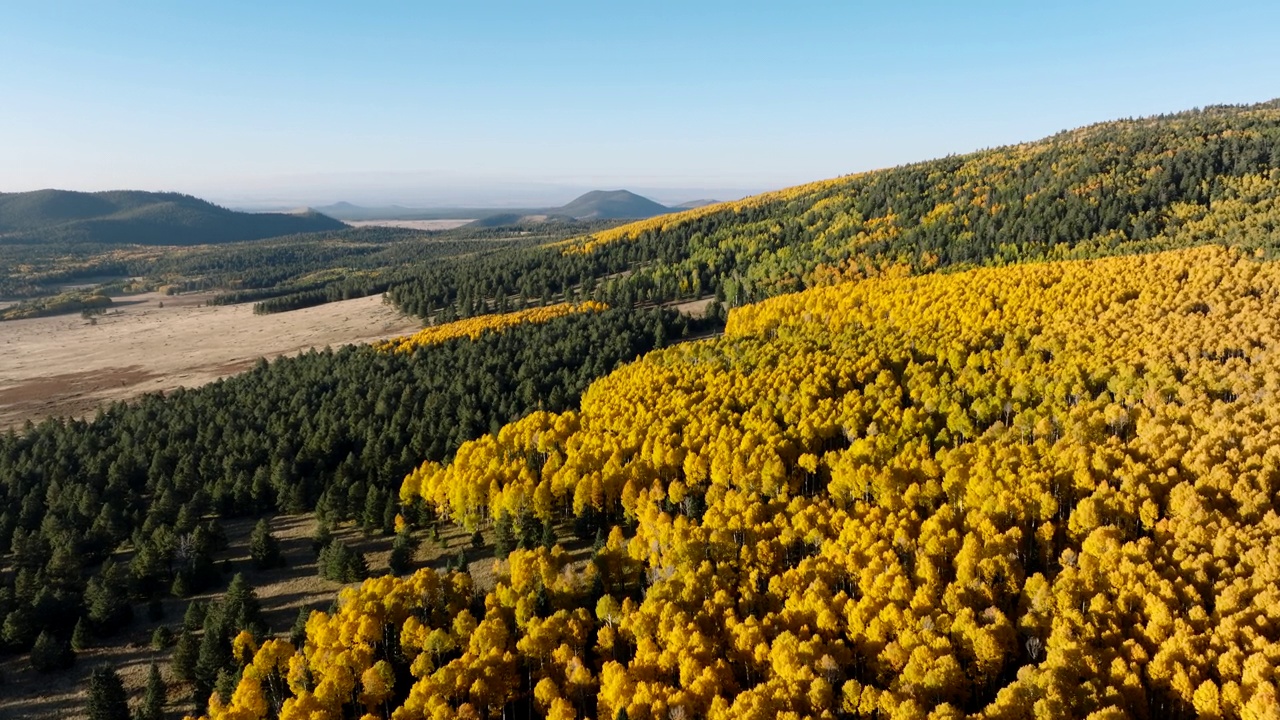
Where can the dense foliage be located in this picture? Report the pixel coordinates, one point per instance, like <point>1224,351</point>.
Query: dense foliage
<point>1041,490</point>
<point>334,429</point>
<point>475,327</point>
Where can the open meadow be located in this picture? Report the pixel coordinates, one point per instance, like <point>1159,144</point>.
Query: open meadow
<point>68,365</point>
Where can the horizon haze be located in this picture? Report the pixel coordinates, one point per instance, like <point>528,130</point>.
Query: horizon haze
<point>502,105</point>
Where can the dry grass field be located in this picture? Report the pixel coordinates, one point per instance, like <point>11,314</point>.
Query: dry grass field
<point>67,365</point>
<point>444,224</point>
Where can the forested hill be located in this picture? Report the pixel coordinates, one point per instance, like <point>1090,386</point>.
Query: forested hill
<point>144,218</point>
<point>1162,182</point>
<point>611,204</point>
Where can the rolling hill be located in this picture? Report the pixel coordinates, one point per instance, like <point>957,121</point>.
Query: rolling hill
<point>144,218</point>
<point>610,205</point>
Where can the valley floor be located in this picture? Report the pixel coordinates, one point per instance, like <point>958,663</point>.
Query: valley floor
<point>68,365</point>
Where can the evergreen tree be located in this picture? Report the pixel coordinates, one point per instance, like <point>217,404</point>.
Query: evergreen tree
<point>323,535</point>
<point>106,600</point>
<point>340,563</point>
<point>107,699</point>
<point>401,554</point>
<point>161,638</point>
<point>240,609</point>
<point>51,653</point>
<point>226,683</point>
<point>185,653</point>
<point>298,633</point>
<point>19,628</point>
<point>156,695</point>
<point>504,537</point>
<point>264,549</point>
<point>80,636</point>
<point>193,619</point>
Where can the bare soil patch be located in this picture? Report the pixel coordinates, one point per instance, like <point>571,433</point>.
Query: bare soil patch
<point>68,366</point>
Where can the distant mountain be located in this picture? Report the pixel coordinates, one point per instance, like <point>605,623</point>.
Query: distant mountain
<point>145,218</point>
<point>694,204</point>
<point>610,205</point>
<point>595,205</point>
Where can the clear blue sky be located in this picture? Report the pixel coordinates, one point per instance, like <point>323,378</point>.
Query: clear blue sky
<point>249,99</point>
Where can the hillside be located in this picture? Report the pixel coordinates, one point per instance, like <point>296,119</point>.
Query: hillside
<point>1043,490</point>
<point>142,218</point>
<point>1210,175</point>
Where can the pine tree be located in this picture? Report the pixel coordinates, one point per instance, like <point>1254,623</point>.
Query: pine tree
<point>51,653</point>
<point>161,638</point>
<point>323,536</point>
<point>298,633</point>
<point>240,609</point>
<point>80,636</point>
<point>264,549</point>
<point>185,653</point>
<point>226,683</point>
<point>401,554</point>
<point>156,695</point>
<point>193,619</point>
<point>504,537</point>
<point>107,699</point>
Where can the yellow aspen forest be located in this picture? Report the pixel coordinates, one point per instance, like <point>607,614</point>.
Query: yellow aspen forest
<point>1045,490</point>
<point>477,326</point>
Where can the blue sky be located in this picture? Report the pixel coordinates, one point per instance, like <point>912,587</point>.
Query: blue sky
<point>497,103</point>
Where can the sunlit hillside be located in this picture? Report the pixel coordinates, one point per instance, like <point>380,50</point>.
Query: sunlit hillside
<point>1042,490</point>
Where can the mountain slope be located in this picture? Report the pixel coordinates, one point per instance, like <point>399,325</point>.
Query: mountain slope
<point>145,218</point>
<point>1118,187</point>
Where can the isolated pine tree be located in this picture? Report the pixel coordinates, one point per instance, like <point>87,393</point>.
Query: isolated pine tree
<point>264,549</point>
<point>401,554</point>
<point>107,699</point>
